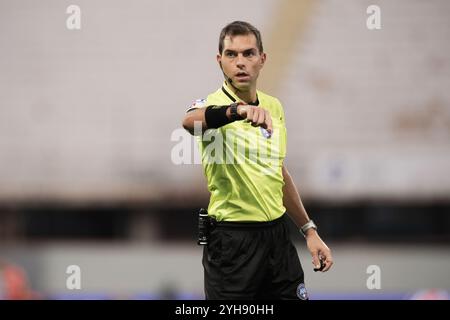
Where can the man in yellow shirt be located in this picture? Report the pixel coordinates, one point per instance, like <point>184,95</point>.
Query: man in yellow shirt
<point>242,137</point>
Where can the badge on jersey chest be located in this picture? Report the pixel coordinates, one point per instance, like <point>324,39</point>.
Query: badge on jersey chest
<point>266,134</point>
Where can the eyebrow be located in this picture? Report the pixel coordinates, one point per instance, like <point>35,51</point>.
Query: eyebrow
<point>244,51</point>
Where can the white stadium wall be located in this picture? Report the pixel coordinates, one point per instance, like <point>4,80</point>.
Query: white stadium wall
<point>92,114</point>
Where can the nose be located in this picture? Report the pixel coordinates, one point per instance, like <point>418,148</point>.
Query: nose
<point>240,61</point>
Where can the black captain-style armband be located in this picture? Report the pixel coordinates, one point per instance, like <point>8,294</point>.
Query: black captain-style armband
<point>216,116</point>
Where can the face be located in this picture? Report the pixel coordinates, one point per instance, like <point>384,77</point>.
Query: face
<point>241,60</point>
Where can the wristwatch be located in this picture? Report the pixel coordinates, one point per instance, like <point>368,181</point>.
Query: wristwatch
<point>233,111</point>
<point>310,224</point>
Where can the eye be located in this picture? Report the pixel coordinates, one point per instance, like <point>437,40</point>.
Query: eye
<point>230,54</point>
<point>249,54</point>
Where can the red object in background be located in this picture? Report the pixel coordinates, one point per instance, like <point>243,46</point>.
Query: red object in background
<point>431,294</point>
<point>15,283</point>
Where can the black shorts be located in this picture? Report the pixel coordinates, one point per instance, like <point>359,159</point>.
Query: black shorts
<point>252,261</point>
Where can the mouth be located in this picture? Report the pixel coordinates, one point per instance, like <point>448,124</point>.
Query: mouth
<point>242,76</point>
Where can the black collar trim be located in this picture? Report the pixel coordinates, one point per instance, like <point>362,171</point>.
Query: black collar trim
<point>228,94</point>
<point>256,103</point>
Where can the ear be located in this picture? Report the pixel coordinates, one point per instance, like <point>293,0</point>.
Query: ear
<point>262,58</point>
<point>219,60</point>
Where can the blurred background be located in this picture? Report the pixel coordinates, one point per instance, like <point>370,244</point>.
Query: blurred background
<point>90,124</point>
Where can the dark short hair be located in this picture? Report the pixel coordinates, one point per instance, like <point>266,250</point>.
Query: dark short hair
<point>240,28</point>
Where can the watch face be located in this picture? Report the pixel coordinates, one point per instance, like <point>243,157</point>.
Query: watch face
<point>309,225</point>
<point>233,111</point>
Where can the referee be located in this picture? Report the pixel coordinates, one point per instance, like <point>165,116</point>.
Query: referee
<point>242,138</point>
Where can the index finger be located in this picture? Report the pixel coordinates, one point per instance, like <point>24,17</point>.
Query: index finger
<point>269,122</point>
<point>328,262</point>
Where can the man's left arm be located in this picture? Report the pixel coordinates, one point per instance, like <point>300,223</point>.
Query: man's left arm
<point>296,210</point>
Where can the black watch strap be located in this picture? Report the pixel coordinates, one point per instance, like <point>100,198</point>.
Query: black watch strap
<point>233,112</point>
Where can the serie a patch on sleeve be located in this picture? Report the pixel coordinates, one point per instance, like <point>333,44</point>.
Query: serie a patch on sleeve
<point>199,103</point>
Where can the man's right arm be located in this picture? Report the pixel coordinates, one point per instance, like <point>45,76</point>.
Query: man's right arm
<point>193,116</point>
<point>257,116</point>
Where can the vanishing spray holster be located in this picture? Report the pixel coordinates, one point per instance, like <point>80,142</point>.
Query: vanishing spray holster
<point>205,226</point>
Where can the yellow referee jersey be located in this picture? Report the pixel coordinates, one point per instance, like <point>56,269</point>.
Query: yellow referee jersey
<point>243,163</point>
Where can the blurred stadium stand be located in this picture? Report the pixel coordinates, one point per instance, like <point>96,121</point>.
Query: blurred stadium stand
<point>87,118</point>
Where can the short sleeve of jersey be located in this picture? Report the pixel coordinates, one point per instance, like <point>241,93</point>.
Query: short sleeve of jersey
<point>283,122</point>
<point>199,103</point>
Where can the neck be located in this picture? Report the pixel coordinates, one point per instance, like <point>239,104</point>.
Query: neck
<point>247,96</point>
